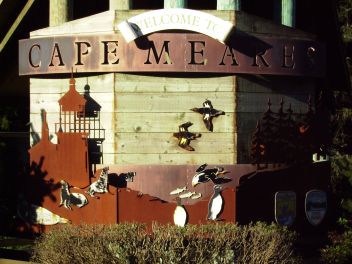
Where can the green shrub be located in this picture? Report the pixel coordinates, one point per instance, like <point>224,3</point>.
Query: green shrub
<point>132,243</point>
<point>340,250</point>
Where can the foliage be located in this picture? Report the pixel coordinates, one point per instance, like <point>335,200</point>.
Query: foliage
<point>340,248</point>
<point>342,182</point>
<point>132,243</point>
<point>15,243</point>
<point>340,251</point>
<point>345,19</point>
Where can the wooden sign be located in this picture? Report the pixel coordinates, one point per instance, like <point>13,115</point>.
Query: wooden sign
<point>315,206</point>
<point>175,18</point>
<point>285,207</point>
<point>172,52</point>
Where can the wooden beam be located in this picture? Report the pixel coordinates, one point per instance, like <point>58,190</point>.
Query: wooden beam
<point>15,24</point>
<point>288,13</point>
<point>175,3</point>
<point>120,4</point>
<point>60,11</point>
<point>228,5</point>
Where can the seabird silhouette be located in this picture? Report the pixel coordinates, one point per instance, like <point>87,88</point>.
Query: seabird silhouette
<point>185,137</point>
<point>208,113</point>
<point>204,175</point>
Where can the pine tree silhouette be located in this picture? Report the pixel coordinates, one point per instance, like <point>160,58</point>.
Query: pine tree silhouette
<point>279,144</point>
<point>268,129</point>
<point>292,135</point>
<point>257,148</point>
<point>305,128</point>
<point>322,130</point>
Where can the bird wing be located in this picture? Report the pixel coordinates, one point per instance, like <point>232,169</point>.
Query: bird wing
<point>184,143</point>
<point>208,123</point>
<point>215,112</point>
<point>201,110</point>
<point>221,180</point>
<point>201,167</point>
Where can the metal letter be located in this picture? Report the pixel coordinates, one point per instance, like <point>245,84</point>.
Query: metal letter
<point>193,52</point>
<point>106,52</point>
<point>79,51</point>
<point>58,55</point>
<point>288,57</point>
<point>158,56</point>
<point>232,54</point>
<point>30,56</point>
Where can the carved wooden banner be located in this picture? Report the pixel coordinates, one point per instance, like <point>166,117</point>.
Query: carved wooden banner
<point>175,18</point>
<point>172,52</point>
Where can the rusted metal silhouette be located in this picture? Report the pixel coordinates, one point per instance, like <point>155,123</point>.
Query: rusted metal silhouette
<point>285,138</point>
<point>184,136</point>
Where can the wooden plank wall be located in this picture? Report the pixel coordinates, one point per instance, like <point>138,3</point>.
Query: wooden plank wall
<point>252,96</point>
<point>141,113</point>
<point>149,109</point>
<point>45,93</point>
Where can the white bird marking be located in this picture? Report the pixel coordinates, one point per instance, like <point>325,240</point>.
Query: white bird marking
<point>178,190</point>
<point>187,195</point>
<point>196,196</point>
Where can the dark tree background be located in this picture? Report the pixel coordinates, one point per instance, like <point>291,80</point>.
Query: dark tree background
<point>342,124</point>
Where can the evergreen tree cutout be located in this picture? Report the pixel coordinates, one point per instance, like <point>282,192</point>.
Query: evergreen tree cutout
<point>306,135</point>
<point>291,138</point>
<point>268,128</point>
<point>257,146</point>
<point>279,144</point>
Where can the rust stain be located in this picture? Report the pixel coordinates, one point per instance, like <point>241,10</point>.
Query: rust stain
<point>55,55</point>
<point>148,209</point>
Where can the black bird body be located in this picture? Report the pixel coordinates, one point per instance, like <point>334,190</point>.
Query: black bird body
<point>185,137</point>
<point>208,112</point>
<point>204,175</point>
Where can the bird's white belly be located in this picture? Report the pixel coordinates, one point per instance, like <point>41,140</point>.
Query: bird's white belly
<point>216,207</point>
<point>180,216</point>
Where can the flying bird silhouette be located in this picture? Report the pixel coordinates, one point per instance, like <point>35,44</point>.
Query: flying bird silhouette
<point>208,112</point>
<point>216,175</point>
<point>185,137</point>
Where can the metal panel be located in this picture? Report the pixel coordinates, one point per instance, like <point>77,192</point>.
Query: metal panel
<point>177,52</point>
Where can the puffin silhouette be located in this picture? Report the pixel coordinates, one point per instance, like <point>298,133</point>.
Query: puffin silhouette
<point>185,137</point>
<point>204,175</point>
<point>180,214</point>
<point>216,204</point>
<point>208,113</point>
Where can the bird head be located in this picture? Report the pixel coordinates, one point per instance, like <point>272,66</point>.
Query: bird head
<point>207,103</point>
<point>195,180</point>
<point>185,126</point>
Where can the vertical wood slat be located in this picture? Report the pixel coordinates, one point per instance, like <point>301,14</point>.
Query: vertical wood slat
<point>288,13</point>
<point>120,4</point>
<point>228,5</point>
<point>60,11</point>
<point>175,3</point>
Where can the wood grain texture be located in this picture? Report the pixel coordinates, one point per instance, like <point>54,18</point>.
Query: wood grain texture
<point>257,103</point>
<point>162,84</point>
<point>169,122</point>
<point>165,143</point>
<point>171,102</point>
<point>98,84</point>
<point>149,109</point>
